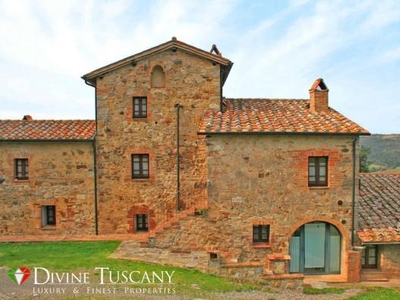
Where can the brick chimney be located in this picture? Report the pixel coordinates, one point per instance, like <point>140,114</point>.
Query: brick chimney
<point>27,118</point>
<point>319,96</point>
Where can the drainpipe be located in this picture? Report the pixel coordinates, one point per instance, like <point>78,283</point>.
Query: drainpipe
<point>96,222</point>
<point>96,218</point>
<point>353,203</point>
<point>178,181</point>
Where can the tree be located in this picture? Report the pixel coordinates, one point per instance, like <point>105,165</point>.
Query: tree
<point>364,163</point>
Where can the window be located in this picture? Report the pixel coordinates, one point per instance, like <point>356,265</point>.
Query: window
<point>261,234</point>
<point>139,107</point>
<point>369,257</point>
<point>318,171</point>
<point>140,166</point>
<point>48,215</point>
<point>142,223</point>
<point>21,168</point>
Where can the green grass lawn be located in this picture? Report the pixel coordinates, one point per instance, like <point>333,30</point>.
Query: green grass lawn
<point>313,291</point>
<point>378,293</point>
<point>85,256</point>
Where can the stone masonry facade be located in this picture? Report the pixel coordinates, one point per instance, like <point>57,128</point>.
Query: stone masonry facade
<point>60,175</point>
<point>268,186</point>
<point>191,82</point>
<point>227,179</point>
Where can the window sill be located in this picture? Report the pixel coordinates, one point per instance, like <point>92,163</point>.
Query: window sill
<point>25,180</point>
<point>140,178</point>
<point>49,227</point>
<point>261,246</point>
<point>319,187</point>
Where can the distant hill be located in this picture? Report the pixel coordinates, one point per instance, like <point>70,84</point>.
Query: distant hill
<point>385,151</point>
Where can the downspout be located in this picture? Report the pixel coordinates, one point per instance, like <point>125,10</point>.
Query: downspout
<point>221,98</point>
<point>353,202</point>
<point>96,218</point>
<point>96,223</point>
<point>178,180</point>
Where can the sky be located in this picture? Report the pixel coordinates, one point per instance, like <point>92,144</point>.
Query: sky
<point>278,49</point>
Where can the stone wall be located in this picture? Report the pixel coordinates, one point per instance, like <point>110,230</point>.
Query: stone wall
<point>390,260</point>
<point>60,174</point>
<point>191,81</point>
<point>264,180</point>
<point>255,180</point>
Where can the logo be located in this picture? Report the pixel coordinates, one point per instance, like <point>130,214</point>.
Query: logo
<point>19,275</point>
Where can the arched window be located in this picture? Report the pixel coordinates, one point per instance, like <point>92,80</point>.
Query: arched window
<point>157,77</point>
<point>315,249</point>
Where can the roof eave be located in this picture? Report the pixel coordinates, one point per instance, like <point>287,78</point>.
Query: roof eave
<point>283,133</point>
<point>225,73</point>
<point>48,140</point>
<point>381,243</point>
<point>173,45</point>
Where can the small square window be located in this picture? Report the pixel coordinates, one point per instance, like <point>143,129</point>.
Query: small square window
<point>318,171</point>
<point>139,107</point>
<point>213,256</point>
<point>142,223</point>
<point>21,169</point>
<point>48,215</point>
<point>140,166</point>
<point>261,234</point>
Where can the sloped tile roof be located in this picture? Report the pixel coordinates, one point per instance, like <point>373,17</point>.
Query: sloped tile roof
<point>47,129</point>
<point>276,116</point>
<point>379,208</point>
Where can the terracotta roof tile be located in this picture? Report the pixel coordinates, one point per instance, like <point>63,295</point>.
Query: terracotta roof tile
<point>275,116</point>
<point>29,129</point>
<point>379,208</point>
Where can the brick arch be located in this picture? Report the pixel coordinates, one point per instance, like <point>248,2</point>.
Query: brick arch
<point>344,237</point>
<point>338,225</point>
<point>140,209</point>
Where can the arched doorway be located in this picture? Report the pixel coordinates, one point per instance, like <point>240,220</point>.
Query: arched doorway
<point>315,249</point>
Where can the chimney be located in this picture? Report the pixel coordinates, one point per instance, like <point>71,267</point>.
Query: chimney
<point>319,96</point>
<point>27,118</point>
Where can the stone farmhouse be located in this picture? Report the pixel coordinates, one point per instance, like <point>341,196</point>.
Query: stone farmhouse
<point>263,188</point>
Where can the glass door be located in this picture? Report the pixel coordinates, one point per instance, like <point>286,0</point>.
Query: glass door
<point>315,249</point>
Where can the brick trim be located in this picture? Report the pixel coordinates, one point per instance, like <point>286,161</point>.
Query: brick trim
<point>140,209</point>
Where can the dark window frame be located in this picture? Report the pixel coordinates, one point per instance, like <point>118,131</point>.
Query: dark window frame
<point>21,169</point>
<point>49,215</point>
<point>259,235</point>
<point>142,222</point>
<point>367,256</point>
<point>140,166</point>
<point>317,179</point>
<point>139,110</point>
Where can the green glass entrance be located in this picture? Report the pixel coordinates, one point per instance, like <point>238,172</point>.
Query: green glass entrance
<point>315,249</point>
